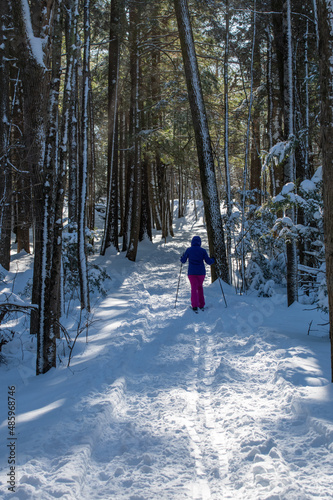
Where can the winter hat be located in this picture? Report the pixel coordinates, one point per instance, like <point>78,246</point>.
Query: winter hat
<point>196,241</point>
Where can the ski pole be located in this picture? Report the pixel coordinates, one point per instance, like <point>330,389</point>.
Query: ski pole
<point>220,281</point>
<point>222,292</point>
<point>180,272</point>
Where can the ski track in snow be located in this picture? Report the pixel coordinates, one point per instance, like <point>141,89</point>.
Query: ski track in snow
<point>165,404</point>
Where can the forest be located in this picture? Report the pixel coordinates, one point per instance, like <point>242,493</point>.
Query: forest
<point>131,108</point>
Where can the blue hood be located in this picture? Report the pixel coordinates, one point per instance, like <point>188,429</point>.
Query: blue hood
<point>196,241</point>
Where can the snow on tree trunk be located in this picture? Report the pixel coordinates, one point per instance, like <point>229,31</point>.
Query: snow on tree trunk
<point>82,255</point>
<point>226,137</point>
<point>315,19</point>
<point>73,44</point>
<point>32,49</point>
<point>277,97</point>
<point>307,104</point>
<point>289,169</point>
<point>325,19</point>
<point>122,168</point>
<point>91,164</point>
<point>203,142</point>
<point>49,305</point>
<point>5,173</point>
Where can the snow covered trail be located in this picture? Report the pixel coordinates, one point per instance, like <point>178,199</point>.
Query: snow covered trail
<point>232,403</point>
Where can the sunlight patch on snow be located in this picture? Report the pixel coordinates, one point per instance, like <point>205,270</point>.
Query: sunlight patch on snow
<point>35,414</point>
<point>92,352</point>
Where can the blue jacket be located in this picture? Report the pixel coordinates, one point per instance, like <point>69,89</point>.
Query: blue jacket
<point>196,257</point>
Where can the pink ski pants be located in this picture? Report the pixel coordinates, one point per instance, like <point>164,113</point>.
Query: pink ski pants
<point>197,295</point>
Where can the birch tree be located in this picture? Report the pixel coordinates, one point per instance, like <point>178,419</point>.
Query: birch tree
<point>204,149</point>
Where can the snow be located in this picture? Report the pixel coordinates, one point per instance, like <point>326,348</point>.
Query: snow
<point>231,403</point>
<point>318,175</point>
<point>308,186</point>
<point>288,188</point>
<point>36,44</point>
<point>278,198</point>
<point>287,221</point>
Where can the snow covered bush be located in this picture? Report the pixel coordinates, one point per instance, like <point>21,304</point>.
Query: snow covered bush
<point>257,275</point>
<point>13,314</point>
<point>269,227</point>
<point>278,153</point>
<point>96,274</point>
<point>307,203</point>
<point>265,263</point>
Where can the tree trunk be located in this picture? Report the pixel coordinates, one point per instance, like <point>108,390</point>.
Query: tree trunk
<point>82,253</point>
<point>91,165</point>
<point>122,169</point>
<point>204,148</point>
<point>73,60</point>
<point>278,97</point>
<point>111,219</point>
<point>145,223</point>
<point>35,83</point>
<point>5,172</point>
<point>49,305</point>
<point>246,163</point>
<point>226,137</point>
<point>255,163</point>
<point>136,167</point>
<point>289,169</point>
<point>325,19</point>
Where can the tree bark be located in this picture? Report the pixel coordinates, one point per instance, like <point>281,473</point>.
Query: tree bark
<point>111,219</point>
<point>51,247</point>
<point>35,83</point>
<point>73,60</point>
<point>226,137</point>
<point>289,168</point>
<point>277,73</point>
<point>136,167</point>
<point>325,19</point>
<point>5,172</point>
<point>83,170</point>
<point>255,163</point>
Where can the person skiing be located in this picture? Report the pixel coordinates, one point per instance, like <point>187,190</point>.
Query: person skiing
<point>196,256</point>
